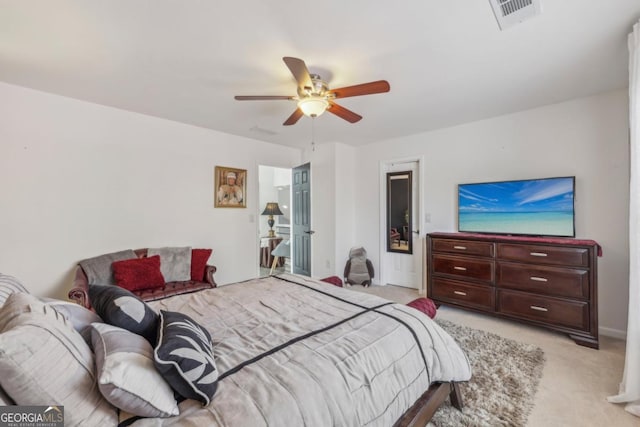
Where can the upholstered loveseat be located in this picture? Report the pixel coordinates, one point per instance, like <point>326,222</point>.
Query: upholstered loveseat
<point>100,270</point>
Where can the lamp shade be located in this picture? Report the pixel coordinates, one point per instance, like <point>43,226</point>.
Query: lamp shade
<point>313,106</point>
<point>272,209</point>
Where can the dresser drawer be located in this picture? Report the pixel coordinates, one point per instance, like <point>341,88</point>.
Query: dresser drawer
<point>468,268</point>
<point>572,314</point>
<point>469,295</point>
<point>539,254</point>
<point>565,282</point>
<point>463,247</point>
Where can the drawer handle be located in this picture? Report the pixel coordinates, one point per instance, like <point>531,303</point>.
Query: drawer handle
<point>536,308</point>
<point>464,294</point>
<point>537,254</point>
<point>462,248</point>
<point>460,268</point>
<point>538,279</point>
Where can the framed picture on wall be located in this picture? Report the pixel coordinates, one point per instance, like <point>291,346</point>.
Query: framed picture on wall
<point>230,187</point>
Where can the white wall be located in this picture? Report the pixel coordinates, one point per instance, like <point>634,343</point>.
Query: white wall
<point>587,138</point>
<point>345,205</point>
<point>79,180</point>
<point>333,185</point>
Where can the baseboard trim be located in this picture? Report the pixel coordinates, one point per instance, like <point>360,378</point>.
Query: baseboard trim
<point>613,333</point>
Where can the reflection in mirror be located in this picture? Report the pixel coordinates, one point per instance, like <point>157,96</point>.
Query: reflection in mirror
<point>399,219</point>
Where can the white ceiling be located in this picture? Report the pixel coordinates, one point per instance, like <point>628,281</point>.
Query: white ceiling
<point>447,61</point>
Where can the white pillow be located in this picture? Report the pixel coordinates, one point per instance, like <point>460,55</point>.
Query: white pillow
<point>44,361</point>
<point>79,317</point>
<point>8,286</point>
<point>126,373</point>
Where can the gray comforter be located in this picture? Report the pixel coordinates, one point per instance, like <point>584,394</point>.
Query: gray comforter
<point>319,355</point>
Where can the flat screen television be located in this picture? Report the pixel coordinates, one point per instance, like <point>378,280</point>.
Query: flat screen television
<point>538,207</point>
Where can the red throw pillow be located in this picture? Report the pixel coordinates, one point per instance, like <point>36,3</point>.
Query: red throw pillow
<point>138,273</point>
<point>425,305</point>
<point>199,258</point>
<point>334,280</point>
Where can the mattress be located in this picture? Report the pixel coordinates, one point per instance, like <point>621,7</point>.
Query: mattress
<point>294,351</point>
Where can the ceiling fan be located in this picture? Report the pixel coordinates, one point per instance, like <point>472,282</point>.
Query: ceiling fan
<point>314,96</point>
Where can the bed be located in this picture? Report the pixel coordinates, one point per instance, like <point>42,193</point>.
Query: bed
<point>294,351</point>
<point>280,351</point>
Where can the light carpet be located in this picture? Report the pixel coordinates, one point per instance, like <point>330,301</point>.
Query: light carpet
<point>505,378</point>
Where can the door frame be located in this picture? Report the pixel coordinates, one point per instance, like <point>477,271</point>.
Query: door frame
<point>383,212</point>
<point>255,217</point>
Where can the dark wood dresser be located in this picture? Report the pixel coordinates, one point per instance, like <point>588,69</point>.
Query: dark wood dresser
<point>548,282</point>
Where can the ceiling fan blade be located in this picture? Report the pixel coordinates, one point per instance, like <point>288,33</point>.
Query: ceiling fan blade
<point>293,119</point>
<point>379,86</point>
<point>299,70</point>
<point>343,113</point>
<point>261,98</point>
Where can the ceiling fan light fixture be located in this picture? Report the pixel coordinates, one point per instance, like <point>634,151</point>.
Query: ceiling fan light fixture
<point>313,106</point>
<point>314,96</point>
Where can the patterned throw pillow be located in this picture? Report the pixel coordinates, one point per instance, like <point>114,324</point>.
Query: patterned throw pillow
<point>119,307</point>
<point>139,273</point>
<point>126,375</point>
<point>199,258</point>
<point>184,357</point>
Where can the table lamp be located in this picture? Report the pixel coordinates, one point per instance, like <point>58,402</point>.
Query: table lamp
<point>271,210</point>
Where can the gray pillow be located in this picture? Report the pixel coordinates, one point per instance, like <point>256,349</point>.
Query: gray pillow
<point>43,360</point>
<point>98,269</point>
<point>9,285</point>
<point>175,263</point>
<point>127,377</point>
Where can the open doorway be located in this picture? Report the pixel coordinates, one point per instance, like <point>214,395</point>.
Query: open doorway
<point>274,225</point>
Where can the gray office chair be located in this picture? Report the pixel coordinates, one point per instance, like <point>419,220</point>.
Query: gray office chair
<point>282,250</point>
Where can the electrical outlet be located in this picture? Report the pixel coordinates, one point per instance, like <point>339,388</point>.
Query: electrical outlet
<point>327,264</point>
<point>427,217</point>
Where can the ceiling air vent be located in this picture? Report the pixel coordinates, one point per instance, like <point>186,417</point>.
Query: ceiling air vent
<point>511,12</point>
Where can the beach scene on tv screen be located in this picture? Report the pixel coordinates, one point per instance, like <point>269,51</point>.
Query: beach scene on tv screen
<point>535,207</point>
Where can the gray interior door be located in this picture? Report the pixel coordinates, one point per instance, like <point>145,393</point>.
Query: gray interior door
<point>301,225</point>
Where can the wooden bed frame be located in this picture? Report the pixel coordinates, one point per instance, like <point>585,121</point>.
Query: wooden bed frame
<point>422,411</point>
